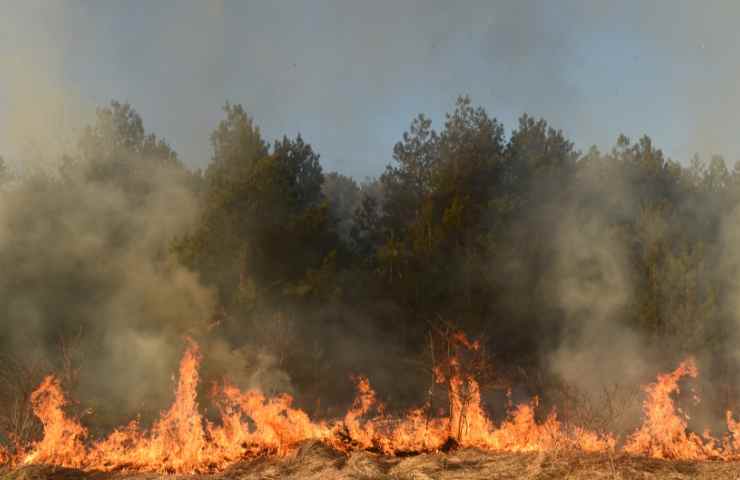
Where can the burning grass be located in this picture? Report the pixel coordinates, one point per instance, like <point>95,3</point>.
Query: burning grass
<point>315,460</point>
<point>266,434</point>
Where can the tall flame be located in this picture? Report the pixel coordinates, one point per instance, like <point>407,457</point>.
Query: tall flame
<point>182,441</point>
<point>663,434</point>
<point>62,442</point>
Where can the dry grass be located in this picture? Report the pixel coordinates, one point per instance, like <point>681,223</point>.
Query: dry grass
<point>20,376</point>
<point>17,380</point>
<point>316,461</point>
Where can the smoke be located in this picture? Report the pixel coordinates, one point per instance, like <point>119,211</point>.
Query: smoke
<point>41,114</point>
<point>83,256</point>
<point>729,269</point>
<point>593,288</point>
<point>78,256</point>
<point>87,273</point>
<point>345,75</point>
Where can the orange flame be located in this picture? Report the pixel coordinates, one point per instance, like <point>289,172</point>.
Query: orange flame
<point>182,441</point>
<point>62,442</point>
<point>663,434</point>
<point>5,456</point>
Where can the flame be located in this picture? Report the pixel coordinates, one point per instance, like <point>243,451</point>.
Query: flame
<point>5,456</point>
<point>177,442</point>
<point>182,441</point>
<point>278,426</point>
<point>663,434</point>
<point>62,442</point>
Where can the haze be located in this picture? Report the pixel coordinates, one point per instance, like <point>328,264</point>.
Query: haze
<point>349,76</point>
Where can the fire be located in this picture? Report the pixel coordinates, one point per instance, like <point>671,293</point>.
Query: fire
<point>177,441</point>
<point>183,441</point>
<point>62,442</point>
<point>663,434</point>
<point>4,455</point>
<point>277,426</point>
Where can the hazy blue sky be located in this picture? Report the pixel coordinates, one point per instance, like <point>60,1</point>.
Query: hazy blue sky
<point>350,75</point>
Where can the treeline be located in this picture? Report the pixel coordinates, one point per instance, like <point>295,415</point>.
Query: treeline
<point>547,252</point>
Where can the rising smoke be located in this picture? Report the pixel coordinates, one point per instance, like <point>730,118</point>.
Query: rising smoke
<point>89,257</point>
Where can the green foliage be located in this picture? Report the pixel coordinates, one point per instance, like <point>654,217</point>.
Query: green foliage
<point>264,223</point>
<point>116,150</point>
<point>522,238</point>
<point>465,223</point>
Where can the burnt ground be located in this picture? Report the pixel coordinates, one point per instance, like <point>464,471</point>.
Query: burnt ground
<point>316,461</point>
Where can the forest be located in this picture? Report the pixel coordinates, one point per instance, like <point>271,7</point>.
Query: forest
<point>581,272</point>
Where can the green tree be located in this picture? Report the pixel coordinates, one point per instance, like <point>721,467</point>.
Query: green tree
<point>265,223</point>
<point>344,197</point>
<point>117,150</point>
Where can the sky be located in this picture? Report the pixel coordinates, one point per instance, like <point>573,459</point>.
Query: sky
<point>350,75</point>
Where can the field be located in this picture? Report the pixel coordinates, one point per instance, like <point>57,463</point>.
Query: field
<point>317,461</point>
